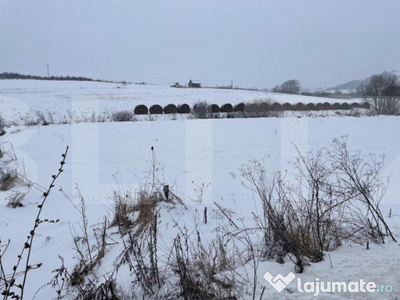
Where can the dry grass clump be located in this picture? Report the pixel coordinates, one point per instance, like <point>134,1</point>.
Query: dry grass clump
<point>12,181</point>
<point>45,118</point>
<point>14,200</point>
<point>205,270</point>
<point>2,125</point>
<point>134,211</point>
<point>337,200</point>
<point>122,116</point>
<point>8,179</point>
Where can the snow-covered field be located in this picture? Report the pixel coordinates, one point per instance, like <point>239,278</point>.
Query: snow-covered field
<point>199,159</point>
<point>19,97</point>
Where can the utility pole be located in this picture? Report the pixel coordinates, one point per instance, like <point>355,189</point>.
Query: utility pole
<point>48,72</point>
<point>231,84</point>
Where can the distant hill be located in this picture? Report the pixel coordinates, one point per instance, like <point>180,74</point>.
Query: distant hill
<point>354,84</point>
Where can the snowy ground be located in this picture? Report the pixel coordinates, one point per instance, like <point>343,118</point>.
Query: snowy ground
<point>190,153</point>
<point>19,97</point>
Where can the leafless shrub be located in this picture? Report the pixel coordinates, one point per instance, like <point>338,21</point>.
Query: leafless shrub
<point>107,290</point>
<point>362,182</point>
<point>2,122</point>
<point>13,288</point>
<point>122,116</point>
<point>2,125</point>
<point>201,103</point>
<point>336,199</point>
<point>8,179</point>
<point>29,120</point>
<point>15,199</point>
<point>140,253</point>
<point>63,120</point>
<point>45,118</point>
<point>204,271</point>
<point>83,278</point>
<point>200,111</point>
<point>136,215</point>
<point>134,210</point>
<point>13,178</point>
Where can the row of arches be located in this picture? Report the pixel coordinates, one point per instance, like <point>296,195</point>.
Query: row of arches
<point>242,107</point>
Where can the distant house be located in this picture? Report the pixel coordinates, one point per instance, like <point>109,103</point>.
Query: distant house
<point>194,84</point>
<point>176,85</point>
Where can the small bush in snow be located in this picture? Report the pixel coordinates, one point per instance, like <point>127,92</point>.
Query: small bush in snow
<point>45,118</point>
<point>122,116</point>
<point>15,199</point>
<point>337,199</point>
<point>2,125</point>
<point>8,179</point>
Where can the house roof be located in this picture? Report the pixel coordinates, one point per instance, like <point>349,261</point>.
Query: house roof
<point>195,81</point>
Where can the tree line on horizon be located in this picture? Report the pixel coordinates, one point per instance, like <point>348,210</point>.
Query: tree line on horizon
<point>10,75</point>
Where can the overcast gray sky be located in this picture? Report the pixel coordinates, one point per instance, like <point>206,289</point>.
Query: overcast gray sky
<point>254,43</point>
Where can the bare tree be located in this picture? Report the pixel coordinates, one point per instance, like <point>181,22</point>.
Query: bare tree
<point>290,87</point>
<point>383,93</point>
<point>276,89</point>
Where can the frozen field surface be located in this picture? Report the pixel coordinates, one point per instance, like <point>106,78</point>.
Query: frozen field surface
<point>19,97</point>
<point>199,159</point>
